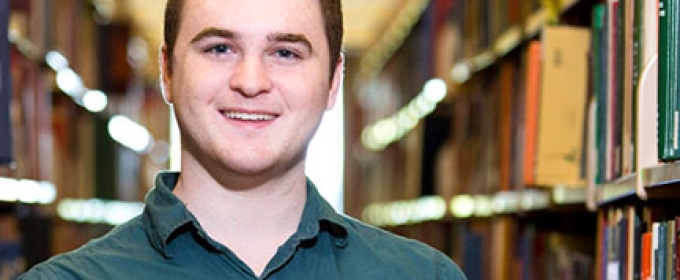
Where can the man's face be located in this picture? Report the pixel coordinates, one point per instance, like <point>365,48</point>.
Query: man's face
<point>250,83</point>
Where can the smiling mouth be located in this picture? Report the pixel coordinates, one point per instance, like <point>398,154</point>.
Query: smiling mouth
<point>242,116</point>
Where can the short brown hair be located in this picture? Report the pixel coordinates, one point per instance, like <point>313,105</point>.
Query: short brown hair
<point>332,15</point>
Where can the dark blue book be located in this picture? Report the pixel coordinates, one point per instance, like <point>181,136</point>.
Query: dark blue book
<point>5,87</point>
<point>472,261</point>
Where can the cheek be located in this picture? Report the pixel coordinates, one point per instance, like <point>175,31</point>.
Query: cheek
<point>308,86</point>
<point>198,84</point>
<point>313,98</point>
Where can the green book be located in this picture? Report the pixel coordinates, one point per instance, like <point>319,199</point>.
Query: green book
<point>599,86</point>
<point>638,64</point>
<point>669,94</point>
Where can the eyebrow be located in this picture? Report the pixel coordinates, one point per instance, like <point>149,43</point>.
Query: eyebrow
<point>214,32</point>
<point>291,38</point>
<point>275,37</point>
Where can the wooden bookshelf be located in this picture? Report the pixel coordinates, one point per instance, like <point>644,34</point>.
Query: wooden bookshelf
<point>465,206</point>
<point>509,40</point>
<point>662,181</point>
<point>618,190</point>
<point>637,182</point>
<point>663,174</point>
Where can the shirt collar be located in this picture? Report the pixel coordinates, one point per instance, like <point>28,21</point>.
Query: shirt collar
<point>318,215</point>
<point>165,215</point>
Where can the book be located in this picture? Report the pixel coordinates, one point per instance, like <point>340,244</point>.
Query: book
<point>636,70</point>
<point>506,122</point>
<point>661,254</point>
<point>646,256</point>
<point>635,231</point>
<point>622,244</point>
<point>625,87</point>
<point>598,70</point>
<point>611,238</point>
<point>676,258</point>
<point>591,154</point>
<point>612,123</point>
<point>473,255</point>
<point>670,248</point>
<point>603,244</point>
<point>655,250</point>
<point>668,91</point>
<point>532,83</point>
<point>12,260</point>
<point>503,229</point>
<point>564,90</point>
<point>6,150</point>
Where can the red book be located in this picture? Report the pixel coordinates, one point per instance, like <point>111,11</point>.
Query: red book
<point>646,251</point>
<point>531,99</point>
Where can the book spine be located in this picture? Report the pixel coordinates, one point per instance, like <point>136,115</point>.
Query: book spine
<point>531,99</point>
<point>5,87</point>
<point>599,80</point>
<point>635,243</point>
<point>670,249</point>
<point>613,155</point>
<point>669,109</point>
<point>661,252</point>
<point>676,259</point>
<point>638,64</point>
<point>646,256</point>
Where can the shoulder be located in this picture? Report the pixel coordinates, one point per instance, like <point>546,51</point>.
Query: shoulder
<point>401,253</point>
<point>383,240</point>
<point>121,247</point>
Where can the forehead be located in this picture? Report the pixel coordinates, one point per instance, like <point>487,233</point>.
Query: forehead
<point>253,16</point>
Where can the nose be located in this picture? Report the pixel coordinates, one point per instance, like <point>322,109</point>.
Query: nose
<point>250,77</point>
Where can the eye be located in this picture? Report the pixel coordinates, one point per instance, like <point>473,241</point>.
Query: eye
<point>218,49</point>
<point>287,54</point>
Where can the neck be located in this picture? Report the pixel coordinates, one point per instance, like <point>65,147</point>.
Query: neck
<point>253,221</point>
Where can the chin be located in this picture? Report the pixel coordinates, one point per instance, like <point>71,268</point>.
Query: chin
<point>250,166</point>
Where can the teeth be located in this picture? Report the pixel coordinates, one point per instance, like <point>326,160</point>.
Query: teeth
<point>249,117</point>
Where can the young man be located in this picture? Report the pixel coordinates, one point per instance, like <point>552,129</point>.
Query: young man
<point>249,82</point>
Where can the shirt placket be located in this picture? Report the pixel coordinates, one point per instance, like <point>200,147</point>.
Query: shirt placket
<point>288,250</point>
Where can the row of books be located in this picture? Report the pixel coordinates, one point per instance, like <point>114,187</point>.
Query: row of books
<point>639,243</point>
<point>579,105</point>
<point>669,88</point>
<point>507,248</point>
<point>635,67</point>
<point>12,262</point>
<point>628,39</point>
<point>483,21</point>
<point>525,127</point>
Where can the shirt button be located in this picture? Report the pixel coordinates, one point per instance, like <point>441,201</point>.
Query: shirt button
<point>341,243</point>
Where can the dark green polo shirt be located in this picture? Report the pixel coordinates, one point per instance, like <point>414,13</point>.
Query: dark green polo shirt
<point>167,242</point>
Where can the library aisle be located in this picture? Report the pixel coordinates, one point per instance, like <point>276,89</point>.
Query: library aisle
<point>525,139</point>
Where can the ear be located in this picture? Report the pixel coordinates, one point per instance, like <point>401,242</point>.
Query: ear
<point>165,74</point>
<point>336,82</point>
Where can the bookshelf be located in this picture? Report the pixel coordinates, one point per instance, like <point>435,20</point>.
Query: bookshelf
<point>60,164</point>
<point>622,188</point>
<point>509,40</point>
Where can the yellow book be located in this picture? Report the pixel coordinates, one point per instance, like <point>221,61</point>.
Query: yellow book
<point>564,89</point>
